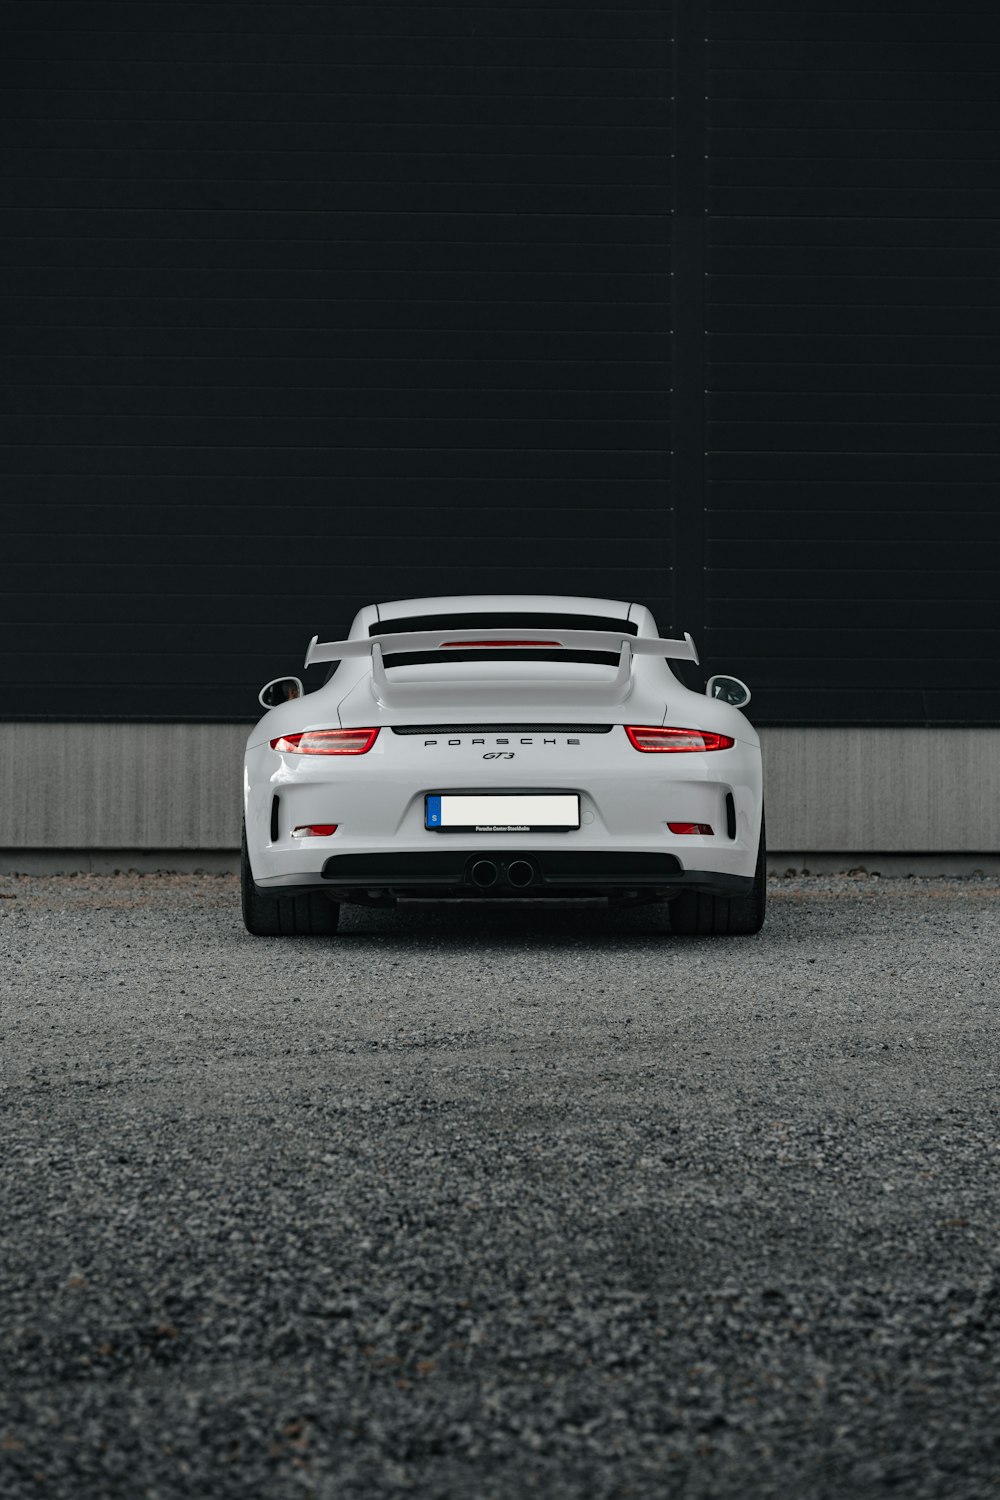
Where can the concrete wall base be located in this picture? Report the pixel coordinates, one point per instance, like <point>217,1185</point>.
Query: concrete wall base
<point>106,787</point>
<point>119,861</point>
<point>889,866</point>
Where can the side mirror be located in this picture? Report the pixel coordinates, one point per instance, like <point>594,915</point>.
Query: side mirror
<point>729,689</point>
<point>280,691</point>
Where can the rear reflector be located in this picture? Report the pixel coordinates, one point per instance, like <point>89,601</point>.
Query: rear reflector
<point>702,828</point>
<point>643,738</point>
<point>327,742</point>
<point>314,830</point>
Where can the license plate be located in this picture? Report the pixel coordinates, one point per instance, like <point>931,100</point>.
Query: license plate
<point>502,812</point>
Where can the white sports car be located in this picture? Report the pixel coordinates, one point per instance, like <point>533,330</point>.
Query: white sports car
<point>503,746</point>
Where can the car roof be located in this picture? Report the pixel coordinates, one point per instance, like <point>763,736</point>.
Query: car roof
<point>562,604</point>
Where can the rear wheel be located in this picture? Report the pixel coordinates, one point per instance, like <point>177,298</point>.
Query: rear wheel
<point>693,914</point>
<point>306,914</point>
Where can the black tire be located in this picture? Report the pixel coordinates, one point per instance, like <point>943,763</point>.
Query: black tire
<point>695,915</point>
<point>308,914</point>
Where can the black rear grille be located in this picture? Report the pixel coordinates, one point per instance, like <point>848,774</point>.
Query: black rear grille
<point>502,728</point>
<point>559,868</point>
<point>560,654</point>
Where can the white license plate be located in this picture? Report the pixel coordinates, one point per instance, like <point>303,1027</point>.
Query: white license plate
<point>502,812</point>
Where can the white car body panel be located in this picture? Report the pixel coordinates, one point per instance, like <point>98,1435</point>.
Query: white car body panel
<point>463,719</point>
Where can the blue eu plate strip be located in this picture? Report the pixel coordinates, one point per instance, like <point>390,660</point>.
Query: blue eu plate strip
<point>432,812</point>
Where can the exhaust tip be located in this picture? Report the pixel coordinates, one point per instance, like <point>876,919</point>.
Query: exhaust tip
<point>484,873</point>
<point>520,873</point>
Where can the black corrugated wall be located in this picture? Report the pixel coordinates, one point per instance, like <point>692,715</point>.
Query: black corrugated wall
<point>852,529</point>
<point>307,305</point>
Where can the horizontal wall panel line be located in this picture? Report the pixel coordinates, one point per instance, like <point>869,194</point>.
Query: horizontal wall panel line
<point>841,217</point>
<point>914,577</point>
<point>231,120</point>
<point>908,484</point>
<point>377,480</point>
<point>587,40</point>
<point>215,92</point>
<point>758,513</point>
<point>428,359</point>
<point>180,537</point>
<point>562,276</point>
<point>342,34</point>
<point>755,364</point>
<point>737,452</point>
<point>416,478</point>
<point>338,153</point>
<point>235,64</point>
<point>337,448</point>
<point>346,213</point>
<point>374,185</point>
<point>827,279</point>
<point>439,390</point>
<point>326,420</point>
<point>263,568</point>
<point>721,159</point>
<point>490,46</point>
<point>786,304</point>
<point>223,302</point>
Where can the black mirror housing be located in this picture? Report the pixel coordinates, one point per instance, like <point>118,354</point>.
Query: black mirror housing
<point>728,690</point>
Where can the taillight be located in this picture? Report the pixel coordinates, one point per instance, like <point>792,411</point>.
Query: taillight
<point>702,828</point>
<point>314,830</point>
<point>327,742</point>
<point>677,739</point>
<point>497,645</point>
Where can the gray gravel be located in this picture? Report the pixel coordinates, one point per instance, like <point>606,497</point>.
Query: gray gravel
<point>492,1202</point>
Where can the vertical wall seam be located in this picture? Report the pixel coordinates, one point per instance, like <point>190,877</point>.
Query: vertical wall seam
<point>688,351</point>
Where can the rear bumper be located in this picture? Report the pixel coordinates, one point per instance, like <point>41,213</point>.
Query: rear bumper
<point>626,799</point>
<point>530,873</point>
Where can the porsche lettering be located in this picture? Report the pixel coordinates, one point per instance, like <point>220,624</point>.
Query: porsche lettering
<point>526,740</point>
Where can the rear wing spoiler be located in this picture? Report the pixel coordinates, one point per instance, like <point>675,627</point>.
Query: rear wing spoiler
<point>625,647</point>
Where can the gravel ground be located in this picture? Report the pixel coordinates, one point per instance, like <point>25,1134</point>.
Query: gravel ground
<point>479,1203</point>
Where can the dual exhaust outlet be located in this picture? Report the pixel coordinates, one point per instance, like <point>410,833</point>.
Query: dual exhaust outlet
<point>485,874</point>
